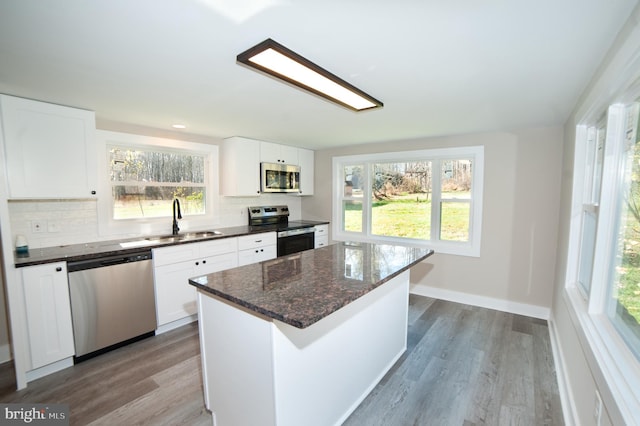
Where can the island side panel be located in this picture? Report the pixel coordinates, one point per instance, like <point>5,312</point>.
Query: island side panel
<point>323,372</point>
<point>237,365</point>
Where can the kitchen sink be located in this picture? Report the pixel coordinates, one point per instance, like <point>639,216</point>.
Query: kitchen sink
<point>167,239</point>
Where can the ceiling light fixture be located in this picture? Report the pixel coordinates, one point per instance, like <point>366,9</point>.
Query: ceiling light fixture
<point>178,126</point>
<point>278,61</point>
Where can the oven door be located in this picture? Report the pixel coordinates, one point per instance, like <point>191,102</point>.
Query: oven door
<point>295,240</point>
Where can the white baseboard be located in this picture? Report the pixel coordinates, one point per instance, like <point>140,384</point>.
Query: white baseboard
<point>177,323</point>
<point>49,369</point>
<point>483,301</point>
<point>569,409</point>
<point>5,353</point>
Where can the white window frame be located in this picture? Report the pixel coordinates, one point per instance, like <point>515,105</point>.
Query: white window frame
<point>620,368</point>
<point>154,226</point>
<point>467,248</point>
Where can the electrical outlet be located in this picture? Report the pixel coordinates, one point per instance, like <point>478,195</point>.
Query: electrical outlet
<point>597,411</point>
<point>38,226</point>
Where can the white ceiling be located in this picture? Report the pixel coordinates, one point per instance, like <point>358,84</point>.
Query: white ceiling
<point>440,67</point>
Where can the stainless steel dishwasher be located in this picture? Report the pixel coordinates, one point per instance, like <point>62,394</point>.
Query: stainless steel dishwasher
<point>112,302</point>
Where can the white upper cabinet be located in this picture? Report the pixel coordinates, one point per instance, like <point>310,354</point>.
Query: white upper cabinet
<point>306,163</point>
<point>240,167</point>
<point>276,153</point>
<point>50,150</point>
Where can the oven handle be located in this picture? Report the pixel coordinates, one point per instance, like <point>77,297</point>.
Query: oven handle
<point>293,232</point>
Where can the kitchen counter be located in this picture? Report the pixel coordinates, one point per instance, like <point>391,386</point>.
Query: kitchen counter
<point>302,288</point>
<point>75,252</point>
<point>303,339</point>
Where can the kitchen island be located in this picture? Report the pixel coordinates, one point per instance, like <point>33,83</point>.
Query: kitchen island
<point>302,339</point>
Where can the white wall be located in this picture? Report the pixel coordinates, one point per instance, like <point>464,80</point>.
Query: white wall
<point>521,200</point>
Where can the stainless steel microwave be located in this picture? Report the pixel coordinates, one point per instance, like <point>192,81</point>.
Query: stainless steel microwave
<point>279,177</point>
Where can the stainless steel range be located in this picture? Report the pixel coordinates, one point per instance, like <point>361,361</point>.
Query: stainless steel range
<point>293,236</point>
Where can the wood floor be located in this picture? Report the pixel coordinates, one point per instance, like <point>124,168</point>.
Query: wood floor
<point>463,366</point>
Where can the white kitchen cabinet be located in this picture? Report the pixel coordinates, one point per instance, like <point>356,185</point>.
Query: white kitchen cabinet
<point>321,236</point>
<point>257,248</point>
<point>48,312</point>
<point>277,153</point>
<point>240,167</point>
<point>307,167</point>
<point>50,149</point>
<point>174,265</point>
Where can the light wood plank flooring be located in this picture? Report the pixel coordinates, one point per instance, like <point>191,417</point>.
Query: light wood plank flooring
<point>463,366</point>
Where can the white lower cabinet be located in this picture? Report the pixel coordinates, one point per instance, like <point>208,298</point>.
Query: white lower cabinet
<point>256,248</point>
<point>48,311</point>
<point>173,266</point>
<point>321,236</point>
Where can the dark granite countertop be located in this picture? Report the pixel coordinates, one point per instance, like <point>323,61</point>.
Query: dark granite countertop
<point>74,252</point>
<point>302,288</point>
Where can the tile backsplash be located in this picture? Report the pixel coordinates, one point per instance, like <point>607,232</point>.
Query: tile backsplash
<point>48,223</point>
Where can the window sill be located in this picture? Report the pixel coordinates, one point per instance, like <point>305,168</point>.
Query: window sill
<point>440,247</point>
<point>607,354</point>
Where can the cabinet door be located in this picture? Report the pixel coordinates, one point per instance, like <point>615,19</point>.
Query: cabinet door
<point>48,309</point>
<point>258,254</point>
<point>240,167</point>
<point>50,149</point>
<point>276,153</point>
<point>218,263</point>
<point>175,297</point>
<point>307,168</point>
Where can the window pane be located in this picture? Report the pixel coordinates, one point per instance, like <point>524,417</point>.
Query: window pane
<point>454,220</point>
<point>145,182</point>
<point>456,179</point>
<point>128,164</point>
<point>352,216</point>
<point>624,293</point>
<point>401,200</point>
<point>353,180</point>
<point>131,202</point>
<point>587,250</point>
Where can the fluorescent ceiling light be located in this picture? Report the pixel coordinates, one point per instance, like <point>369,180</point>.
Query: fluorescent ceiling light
<point>278,61</point>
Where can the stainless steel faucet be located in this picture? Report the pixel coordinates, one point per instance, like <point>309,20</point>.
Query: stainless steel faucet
<point>176,202</point>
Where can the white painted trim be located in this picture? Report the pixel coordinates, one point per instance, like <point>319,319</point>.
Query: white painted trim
<point>503,305</point>
<point>176,324</point>
<point>5,353</point>
<point>569,409</point>
<point>49,369</point>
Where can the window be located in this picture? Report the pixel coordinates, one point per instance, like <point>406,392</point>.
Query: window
<point>429,197</point>
<point>142,175</point>
<point>593,159</point>
<point>603,280</point>
<point>623,286</point>
<point>145,181</point>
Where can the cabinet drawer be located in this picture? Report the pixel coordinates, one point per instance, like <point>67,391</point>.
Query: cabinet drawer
<point>175,254</point>
<point>322,230</point>
<point>321,241</point>
<point>216,247</point>
<point>257,240</point>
